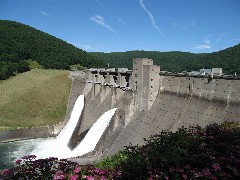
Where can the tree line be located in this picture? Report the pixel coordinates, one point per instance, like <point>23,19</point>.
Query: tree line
<point>176,61</point>
<point>8,69</point>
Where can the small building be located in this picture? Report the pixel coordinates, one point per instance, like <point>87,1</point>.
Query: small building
<point>205,71</point>
<point>122,70</point>
<point>217,71</point>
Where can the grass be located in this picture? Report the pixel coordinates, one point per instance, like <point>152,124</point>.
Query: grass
<point>35,98</point>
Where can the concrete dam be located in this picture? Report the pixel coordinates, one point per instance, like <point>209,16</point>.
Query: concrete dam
<point>148,103</point>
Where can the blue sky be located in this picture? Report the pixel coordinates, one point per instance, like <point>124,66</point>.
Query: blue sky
<point>123,25</point>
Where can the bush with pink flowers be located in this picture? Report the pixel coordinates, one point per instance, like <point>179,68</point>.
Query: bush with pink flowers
<point>52,168</point>
<point>190,153</point>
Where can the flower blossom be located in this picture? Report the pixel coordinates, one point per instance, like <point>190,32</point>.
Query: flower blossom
<point>18,161</point>
<point>74,177</point>
<point>216,167</point>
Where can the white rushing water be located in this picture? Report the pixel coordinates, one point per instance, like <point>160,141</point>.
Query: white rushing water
<point>58,147</point>
<point>67,131</point>
<point>91,139</point>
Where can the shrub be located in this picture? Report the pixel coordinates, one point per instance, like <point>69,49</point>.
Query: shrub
<point>112,162</point>
<point>52,168</point>
<point>209,153</point>
<point>190,153</point>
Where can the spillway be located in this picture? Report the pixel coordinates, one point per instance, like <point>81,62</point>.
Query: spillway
<point>58,147</point>
<point>91,139</point>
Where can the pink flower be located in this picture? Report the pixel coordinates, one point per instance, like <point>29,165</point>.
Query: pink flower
<point>206,172</point>
<point>59,172</point>
<point>74,177</point>
<point>77,170</point>
<point>58,175</point>
<point>166,177</point>
<point>99,171</point>
<point>184,176</point>
<point>6,172</point>
<point>216,167</point>
<point>103,178</point>
<point>18,161</point>
<point>90,178</point>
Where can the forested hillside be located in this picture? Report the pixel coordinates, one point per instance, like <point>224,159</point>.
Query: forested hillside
<point>170,61</point>
<point>20,42</point>
<point>228,59</point>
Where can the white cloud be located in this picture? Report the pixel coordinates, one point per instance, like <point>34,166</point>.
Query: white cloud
<point>207,41</point>
<point>100,20</point>
<point>203,46</point>
<point>113,14</point>
<point>44,13</point>
<point>151,17</point>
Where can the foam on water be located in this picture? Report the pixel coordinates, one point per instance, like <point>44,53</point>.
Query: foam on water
<point>57,147</point>
<point>66,132</point>
<point>94,134</point>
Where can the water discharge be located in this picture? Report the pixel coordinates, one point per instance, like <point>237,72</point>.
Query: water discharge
<point>94,134</point>
<point>66,132</point>
<point>58,147</point>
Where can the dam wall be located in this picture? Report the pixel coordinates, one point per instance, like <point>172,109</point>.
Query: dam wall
<point>203,86</point>
<point>170,111</point>
<point>176,101</point>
